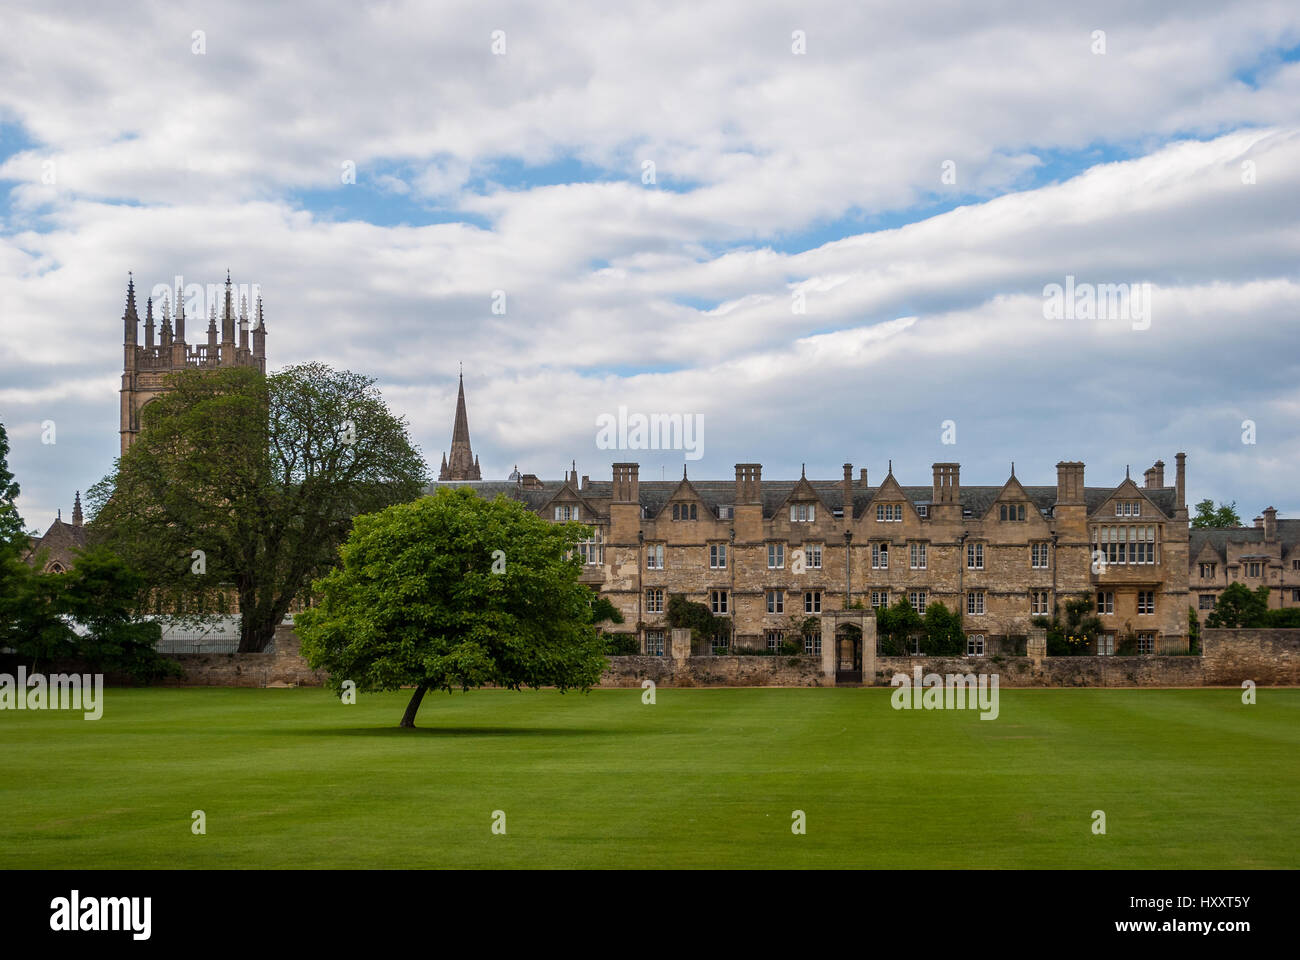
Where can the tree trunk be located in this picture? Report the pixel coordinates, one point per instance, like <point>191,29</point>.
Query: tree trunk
<point>412,708</point>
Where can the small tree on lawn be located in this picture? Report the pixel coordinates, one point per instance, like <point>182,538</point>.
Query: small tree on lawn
<point>453,591</point>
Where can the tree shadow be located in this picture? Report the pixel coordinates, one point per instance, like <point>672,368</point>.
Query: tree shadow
<point>433,731</point>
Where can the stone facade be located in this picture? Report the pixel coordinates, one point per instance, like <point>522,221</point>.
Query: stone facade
<point>1268,657</point>
<point>772,556</point>
<point>1267,554</point>
<point>147,366</point>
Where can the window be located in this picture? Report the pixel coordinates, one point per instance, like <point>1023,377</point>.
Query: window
<point>1128,508</point>
<point>654,643</point>
<point>654,601</point>
<point>654,556</point>
<point>812,644</point>
<point>1011,511</point>
<point>812,601</point>
<point>1125,544</point>
<point>566,513</point>
<point>975,645</point>
<point>1106,645</point>
<point>775,601</point>
<point>918,556</point>
<point>880,556</point>
<point>974,556</point>
<point>724,512</point>
<point>975,602</point>
<point>717,556</point>
<point>1295,596</point>
<point>1207,571</point>
<point>1146,643</point>
<point>718,601</point>
<point>1146,601</point>
<point>592,550</point>
<point>803,512</point>
<point>1105,601</point>
<point>685,511</point>
<point>773,638</point>
<point>1038,603</point>
<point>1252,569</point>
<point>889,512</point>
<point>917,599</point>
<point>813,555</point>
<point>1207,601</point>
<point>776,556</point>
<point>879,598</point>
<point>923,510</point>
<point>1295,564</point>
<point>1038,556</point>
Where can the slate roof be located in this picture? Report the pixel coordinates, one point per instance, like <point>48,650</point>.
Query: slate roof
<point>654,494</point>
<point>1218,538</point>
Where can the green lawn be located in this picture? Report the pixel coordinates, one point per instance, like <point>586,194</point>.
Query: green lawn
<point>703,778</point>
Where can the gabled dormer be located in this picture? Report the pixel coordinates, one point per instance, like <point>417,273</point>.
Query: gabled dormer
<point>568,503</point>
<point>685,504</point>
<point>889,505</point>
<point>803,504</point>
<point>1128,503</point>
<point>1013,505</point>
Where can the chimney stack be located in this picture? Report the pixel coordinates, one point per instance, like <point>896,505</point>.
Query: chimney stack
<point>1069,482</point>
<point>1270,525</point>
<point>862,477</point>
<point>627,486</point>
<point>1159,468</point>
<point>1149,478</point>
<point>847,487</point>
<point>947,483</point>
<point>1259,523</point>
<point>1180,481</point>
<point>749,483</point>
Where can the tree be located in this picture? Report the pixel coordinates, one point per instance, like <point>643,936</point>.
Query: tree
<point>11,523</point>
<point>897,627</point>
<point>453,591</point>
<point>944,636</point>
<point>1207,515</point>
<point>1239,606</point>
<point>252,481</point>
<point>1071,636</point>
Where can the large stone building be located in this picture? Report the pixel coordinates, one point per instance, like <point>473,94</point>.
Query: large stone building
<point>1267,554</point>
<point>146,366</point>
<point>769,554</point>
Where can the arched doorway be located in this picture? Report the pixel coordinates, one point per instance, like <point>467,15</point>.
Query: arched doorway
<point>848,653</point>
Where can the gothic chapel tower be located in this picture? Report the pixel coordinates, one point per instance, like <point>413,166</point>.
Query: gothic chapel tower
<point>146,367</point>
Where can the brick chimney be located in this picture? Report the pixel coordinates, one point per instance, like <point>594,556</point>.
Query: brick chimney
<point>1270,525</point>
<point>1069,482</point>
<point>627,485</point>
<point>749,483</point>
<point>947,483</point>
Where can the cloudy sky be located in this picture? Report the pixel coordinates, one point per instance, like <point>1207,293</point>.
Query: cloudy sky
<point>825,228</point>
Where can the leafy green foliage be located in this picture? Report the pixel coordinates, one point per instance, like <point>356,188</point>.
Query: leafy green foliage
<point>1072,636</point>
<point>1207,515</point>
<point>944,636</point>
<point>99,593</point>
<point>1239,606</point>
<point>416,602</point>
<point>898,629</point>
<point>697,617</point>
<point>11,523</point>
<point>261,474</point>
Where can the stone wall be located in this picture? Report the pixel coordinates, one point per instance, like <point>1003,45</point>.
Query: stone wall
<point>1056,671</point>
<point>1268,657</point>
<point>715,672</point>
<point>283,666</point>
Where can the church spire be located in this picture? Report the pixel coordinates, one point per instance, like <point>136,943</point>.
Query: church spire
<point>462,464</point>
<point>148,323</point>
<point>130,319</point>
<point>76,510</point>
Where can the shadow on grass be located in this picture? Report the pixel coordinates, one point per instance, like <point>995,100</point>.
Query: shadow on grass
<point>433,731</point>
